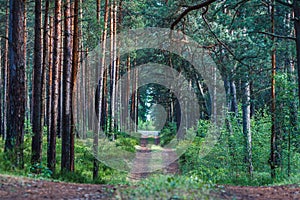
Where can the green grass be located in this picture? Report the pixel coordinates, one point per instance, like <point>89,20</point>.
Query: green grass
<point>222,165</point>
<point>167,187</point>
<point>83,165</point>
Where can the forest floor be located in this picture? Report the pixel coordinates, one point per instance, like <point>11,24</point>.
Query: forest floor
<point>285,192</point>
<point>12,187</point>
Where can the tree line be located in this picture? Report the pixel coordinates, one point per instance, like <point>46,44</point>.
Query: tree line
<point>255,45</point>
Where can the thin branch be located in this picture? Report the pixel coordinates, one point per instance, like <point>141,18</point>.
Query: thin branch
<point>3,37</point>
<point>278,36</point>
<point>284,3</point>
<point>236,8</point>
<point>239,4</point>
<point>189,9</point>
<point>223,44</point>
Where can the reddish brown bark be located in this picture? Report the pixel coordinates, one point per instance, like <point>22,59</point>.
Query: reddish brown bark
<point>37,111</point>
<point>98,10</point>
<point>74,77</point>
<point>51,154</point>
<point>49,79</point>
<point>66,98</point>
<point>16,89</point>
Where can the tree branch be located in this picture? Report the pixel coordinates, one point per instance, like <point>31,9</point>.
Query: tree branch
<point>278,36</point>
<point>223,44</point>
<point>189,9</point>
<point>237,7</point>
<point>3,37</point>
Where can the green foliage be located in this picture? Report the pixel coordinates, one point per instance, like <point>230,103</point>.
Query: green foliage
<point>225,163</point>
<point>146,125</point>
<point>293,179</point>
<point>167,133</point>
<point>202,128</point>
<point>167,187</point>
<point>38,170</point>
<point>28,127</point>
<point>75,177</point>
<point>207,169</point>
<point>261,129</point>
<point>127,144</point>
<point>238,25</point>
<point>84,168</point>
<point>83,163</point>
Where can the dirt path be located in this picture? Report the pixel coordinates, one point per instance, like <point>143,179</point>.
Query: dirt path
<point>149,161</point>
<point>287,192</point>
<point>18,188</point>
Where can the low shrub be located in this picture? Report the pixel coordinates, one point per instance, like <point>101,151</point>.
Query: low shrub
<point>167,187</point>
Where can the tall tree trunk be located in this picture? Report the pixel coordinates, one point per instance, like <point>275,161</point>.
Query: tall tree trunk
<point>86,97</point>
<point>83,75</point>
<point>234,107</point>
<point>6,74</point>
<point>28,110</point>
<point>296,8</point>
<point>273,106</point>
<point>136,101</point>
<point>49,81</point>
<point>246,124</point>
<point>100,92</point>
<point>37,112</point>
<point>1,89</point>
<point>51,154</point>
<point>60,90</point>
<point>66,98</point>
<point>81,67</point>
<point>252,103</point>
<point>127,93</point>
<point>98,10</point>
<point>232,85</point>
<point>45,65</point>
<point>132,105</point>
<point>293,108</point>
<point>16,95</point>
<point>75,57</point>
<point>113,46</point>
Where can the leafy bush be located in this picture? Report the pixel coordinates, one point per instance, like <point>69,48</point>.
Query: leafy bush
<point>127,144</point>
<point>38,170</point>
<point>146,125</point>
<point>225,163</point>
<point>167,133</point>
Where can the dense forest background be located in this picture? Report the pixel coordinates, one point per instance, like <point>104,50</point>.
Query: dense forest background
<point>255,45</point>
